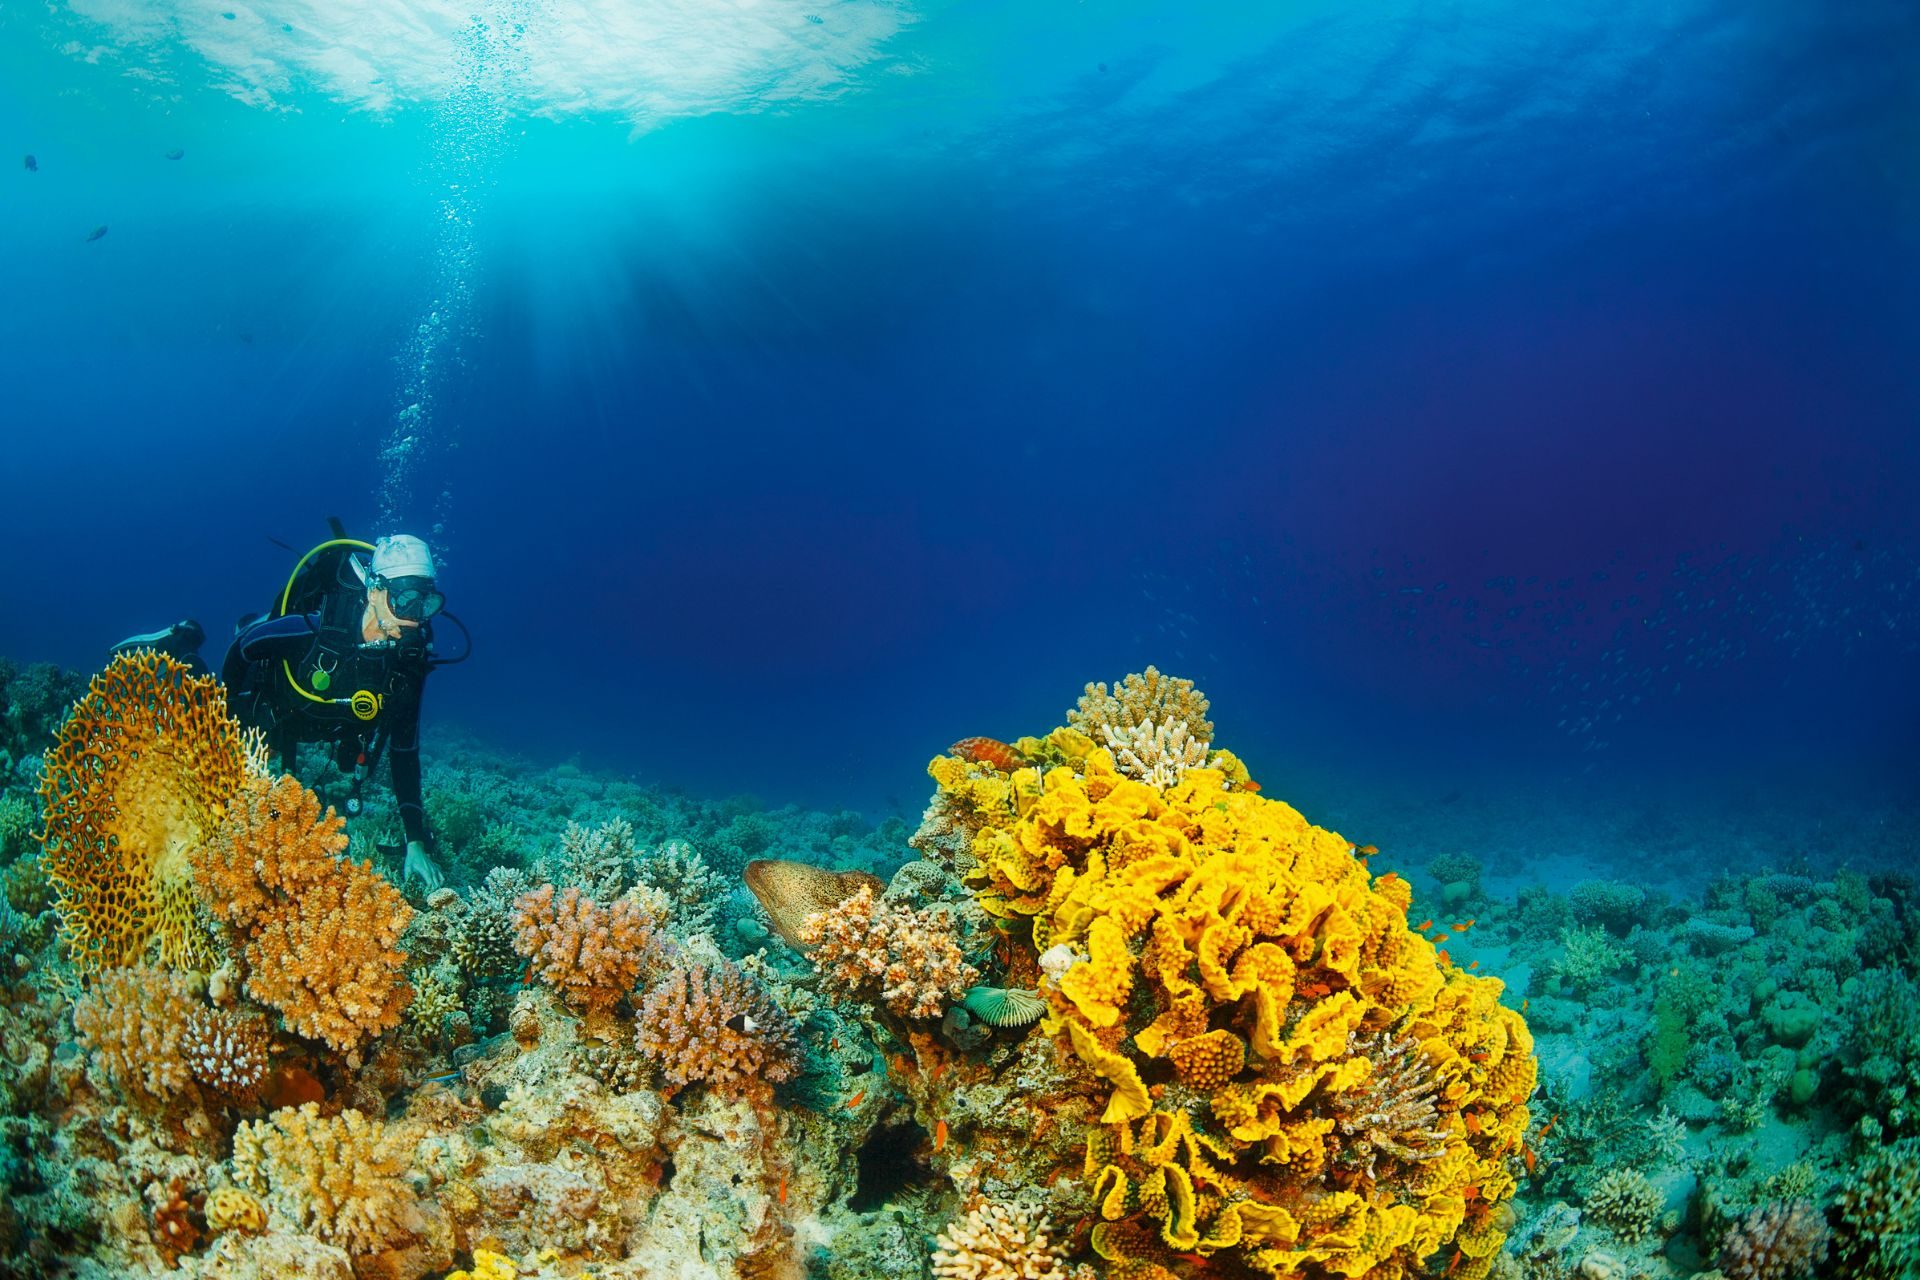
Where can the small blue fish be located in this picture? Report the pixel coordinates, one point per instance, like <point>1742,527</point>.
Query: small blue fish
<point>33,166</point>
<point>96,233</point>
<point>176,153</point>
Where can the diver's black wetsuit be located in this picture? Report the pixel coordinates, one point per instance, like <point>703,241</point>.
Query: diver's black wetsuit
<point>270,656</point>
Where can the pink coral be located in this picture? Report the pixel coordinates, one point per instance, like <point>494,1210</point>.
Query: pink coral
<point>910,959</point>
<point>718,1027</point>
<point>590,954</point>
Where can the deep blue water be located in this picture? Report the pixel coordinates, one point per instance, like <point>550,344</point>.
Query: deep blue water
<point>1488,396</point>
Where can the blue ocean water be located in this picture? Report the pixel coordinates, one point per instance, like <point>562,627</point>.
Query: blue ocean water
<point>1506,413</point>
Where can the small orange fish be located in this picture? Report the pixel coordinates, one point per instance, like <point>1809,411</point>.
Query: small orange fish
<point>988,751</point>
<point>939,1069</point>
<point>1472,1119</point>
<point>1388,878</point>
<point>902,1065</point>
<point>1479,1055</point>
<point>1250,786</point>
<point>856,1099</point>
<point>939,1134</point>
<point>1445,958</point>
<point>1462,928</point>
<point>1441,937</point>
<point>1470,1192</point>
<point>1548,1127</point>
<point>1524,1002</point>
<point>835,1044</point>
<point>1526,1153</point>
<point>1474,965</point>
<point>1458,1255</point>
<point>783,1188</point>
<point>1367,851</point>
<point>1424,925</point>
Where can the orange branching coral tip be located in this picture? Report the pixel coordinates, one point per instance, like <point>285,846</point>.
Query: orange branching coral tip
<point>590,954</point>
<point>135,1021</point>
<point>321,933</point>
<point>143,773</point>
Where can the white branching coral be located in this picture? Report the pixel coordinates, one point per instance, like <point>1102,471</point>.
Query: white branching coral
<point>1140,698</point>
<point>1157,754</point>
<point>995,1242</point>
<point>1392,1113</point>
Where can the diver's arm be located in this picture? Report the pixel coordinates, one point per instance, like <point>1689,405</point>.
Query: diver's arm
<point>269,638</point>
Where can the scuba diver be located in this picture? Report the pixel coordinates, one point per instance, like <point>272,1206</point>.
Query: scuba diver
<point>341,659</point>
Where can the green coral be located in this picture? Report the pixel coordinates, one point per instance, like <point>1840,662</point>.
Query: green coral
<point>1589,958</point>
<point>1877,1218</point>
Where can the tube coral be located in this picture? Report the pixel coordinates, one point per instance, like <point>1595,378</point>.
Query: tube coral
<point>320,933</point>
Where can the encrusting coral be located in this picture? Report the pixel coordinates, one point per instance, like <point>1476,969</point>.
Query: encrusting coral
<point>591,954</point>
<point>143,772</point>
<point>909,960</point>
<point>995,1242</point>
<point>319,933</point>
<point>1331,1096</point>
<point>716,1026</point>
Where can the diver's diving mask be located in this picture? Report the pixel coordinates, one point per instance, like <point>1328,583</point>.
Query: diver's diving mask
<point>414,599</point>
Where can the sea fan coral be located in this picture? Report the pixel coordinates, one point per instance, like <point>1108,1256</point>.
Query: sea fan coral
<point>320,932</point>
<point>995,1242</point>
<point>592,955</point>
<point>226,1052</point>
<point>1625,1203</point>
<point>141,775</point>
<point>908,960</point>
<point>341,1178</point>
<point>1139,699</point>
<point>716,1026</point>
<point>135,1020</point>
<point>1781,1241</point>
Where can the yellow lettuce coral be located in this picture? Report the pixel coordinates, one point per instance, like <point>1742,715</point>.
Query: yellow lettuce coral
<point>1339,1099</point>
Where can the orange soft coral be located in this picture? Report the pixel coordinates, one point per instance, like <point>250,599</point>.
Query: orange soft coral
<point>320,932</point>
<point>590,954</point>
<point>143,773</point>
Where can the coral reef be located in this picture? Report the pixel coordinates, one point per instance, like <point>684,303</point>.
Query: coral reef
<point>1783,1241</point>
<point>227,1052</point>
<point>319,934</point>
<point>908,960</point>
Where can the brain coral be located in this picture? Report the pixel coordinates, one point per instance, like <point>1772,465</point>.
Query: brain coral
<point>1333,1097</point>
<point>320,932</point>
<point>142,774</point>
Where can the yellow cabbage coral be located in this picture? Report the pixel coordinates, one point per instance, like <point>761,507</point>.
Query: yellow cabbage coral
<point>1339,1099</point>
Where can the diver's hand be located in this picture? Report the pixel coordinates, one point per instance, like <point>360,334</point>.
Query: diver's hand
<point>420,863</point>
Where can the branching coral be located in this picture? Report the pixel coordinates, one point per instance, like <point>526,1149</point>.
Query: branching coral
<point>908,960</point>
<point>320,934</point>
<point>995,1242</point>
<point>1626,1203</point>
<point>135,1020</point>
<point>1141,698</point>
<point>141,775</point>
<point>592,955</point>
<point>226,1052</point>
<point>695,892</point>
<point>716,1026</point>
<point>597,861</point>
<point>1781,1241</point>
<point>341,1178</point>
<point>1156,754</point>
<point>1293,1078</point>
<point>1877,1217</point>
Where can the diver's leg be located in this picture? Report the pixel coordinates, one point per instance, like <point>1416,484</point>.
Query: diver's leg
<point>181,641</point>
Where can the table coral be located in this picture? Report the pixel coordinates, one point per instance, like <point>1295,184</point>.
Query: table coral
<point>142,774</point>
<point>591,954</point>
<point>908,960</point>
<point>1329,1095</point>
<point>716,1026</point>
<point>319,933</point>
